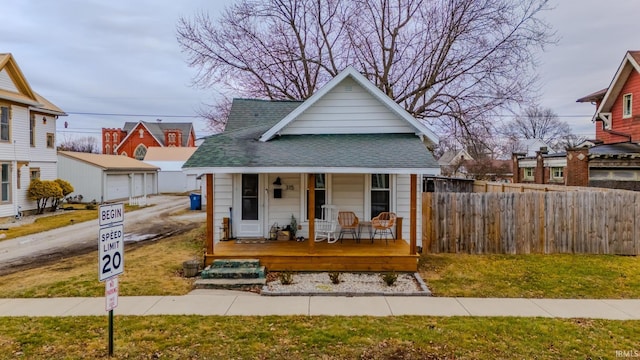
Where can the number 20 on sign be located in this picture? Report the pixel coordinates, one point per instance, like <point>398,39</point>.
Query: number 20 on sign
<point>111,251</point>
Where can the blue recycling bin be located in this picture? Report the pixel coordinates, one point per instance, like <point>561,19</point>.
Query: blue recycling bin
<point>196,201</point>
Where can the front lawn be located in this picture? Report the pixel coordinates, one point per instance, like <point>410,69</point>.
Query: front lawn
<point>321,337</point>
<point>532,276</point>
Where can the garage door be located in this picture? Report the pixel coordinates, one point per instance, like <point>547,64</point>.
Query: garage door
<point>117,187</point>
<point>151,184</point>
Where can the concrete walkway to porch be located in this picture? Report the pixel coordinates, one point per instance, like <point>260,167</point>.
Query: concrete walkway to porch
<point>226,303</point>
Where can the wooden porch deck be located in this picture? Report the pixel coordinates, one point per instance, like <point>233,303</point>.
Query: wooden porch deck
<point>340,256</point>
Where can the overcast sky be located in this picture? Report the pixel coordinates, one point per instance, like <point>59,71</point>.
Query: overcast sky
<point>122,57</point>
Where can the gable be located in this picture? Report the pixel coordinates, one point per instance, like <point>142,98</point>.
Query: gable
<point>333,92</point>
<point>348,108</point>
<point>628,66</point>
<point>133,139</point>
<point>6,83</point>
<point>14,87</point>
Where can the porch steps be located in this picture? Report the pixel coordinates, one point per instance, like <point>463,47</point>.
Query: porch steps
<point>232,274</point>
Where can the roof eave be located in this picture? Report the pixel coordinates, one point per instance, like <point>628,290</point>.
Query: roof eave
<point>310,170</point>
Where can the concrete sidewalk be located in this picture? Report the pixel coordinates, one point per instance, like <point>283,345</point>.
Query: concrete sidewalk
<point>211,302</point>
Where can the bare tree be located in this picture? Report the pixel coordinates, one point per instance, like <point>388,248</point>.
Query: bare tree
<point>537,123</point>
<point>88,144</point>
<point>450,62</point>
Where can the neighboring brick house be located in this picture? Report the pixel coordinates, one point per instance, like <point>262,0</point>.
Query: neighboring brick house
<point>612,160</point>
<point>134,139</point>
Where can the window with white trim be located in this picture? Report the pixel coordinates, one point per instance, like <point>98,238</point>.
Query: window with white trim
<point>4,123</point>
<point>5,179</point>
<point>140,152</point>
<point>557,173</point>
<point>107,137</point>
<point>528,173</point>
<point>627,103</point>
<point>32,130</point>
<point>107,149</point>
<point>51,140</point>
<point>380,194</point>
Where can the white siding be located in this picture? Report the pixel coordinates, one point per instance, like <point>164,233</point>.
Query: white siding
<point>223,200</point>
<point>343,111</point>
<point>40,151</point>
<point>403,207</point>
<point>5,81</point>
<point>348,193</point>
<point>280,210</point>
<point>176,182</point>
<point>87,180</point>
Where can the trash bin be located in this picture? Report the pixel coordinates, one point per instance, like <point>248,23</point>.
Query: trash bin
<point>196,201</point>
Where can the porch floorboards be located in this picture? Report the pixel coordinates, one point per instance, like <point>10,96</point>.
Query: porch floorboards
<point>340,256</point>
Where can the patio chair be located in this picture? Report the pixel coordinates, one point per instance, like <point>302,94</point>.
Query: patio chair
<point>348,222</point>
<point>326,226</point>
<point>382,225</point>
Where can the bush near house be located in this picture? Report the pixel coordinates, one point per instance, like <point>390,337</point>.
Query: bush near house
<point>41,191</point>
<point>66,188</point>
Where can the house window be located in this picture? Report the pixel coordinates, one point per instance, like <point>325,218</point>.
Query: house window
<point>34,173</point>
<point>250,196</point>
<point>557,173</point>
<point>50,140</point>
<point>115,138</point>
<point>380,194</point>
<point>528,173</point>
<point>5,178</point>
<point>321,196</point>
<point>32,131</point>
<point>107,137</point>
<point>140,152</point>
<point>627,102</point>
<point>107,149</point>
<point>4,123</point>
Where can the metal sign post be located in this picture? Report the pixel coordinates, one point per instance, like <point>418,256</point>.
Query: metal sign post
<point>111,256</point>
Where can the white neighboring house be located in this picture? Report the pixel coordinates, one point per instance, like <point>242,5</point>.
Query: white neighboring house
<point>105,178</point>
<point>27,138</point>
<point>452,163</point>
<point>171,178</point>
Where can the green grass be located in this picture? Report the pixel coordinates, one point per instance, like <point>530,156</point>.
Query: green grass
<point>58,220</point>
<point>298,337</point>
<point>533,276</point>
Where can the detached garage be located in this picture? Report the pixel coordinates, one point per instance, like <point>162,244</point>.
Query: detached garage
<point>107,177</point>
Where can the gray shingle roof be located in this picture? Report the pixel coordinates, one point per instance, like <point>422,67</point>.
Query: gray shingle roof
<point>157,129</point>
<point>239,146</point>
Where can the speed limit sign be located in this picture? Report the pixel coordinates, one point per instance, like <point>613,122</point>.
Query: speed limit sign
<point>111,243</point>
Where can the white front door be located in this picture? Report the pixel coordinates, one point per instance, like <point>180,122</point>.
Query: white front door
<point>249,205</point>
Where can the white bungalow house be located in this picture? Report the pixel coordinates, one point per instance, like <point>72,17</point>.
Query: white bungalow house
<point>348,145</point>
<point>27,138</point>
<point>171,178</point>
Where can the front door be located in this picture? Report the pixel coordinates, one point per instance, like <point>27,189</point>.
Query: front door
<point>249,205</point>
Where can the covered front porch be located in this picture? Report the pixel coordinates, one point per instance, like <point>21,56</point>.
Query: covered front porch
<point>309,255</point>
<point>346,255</point>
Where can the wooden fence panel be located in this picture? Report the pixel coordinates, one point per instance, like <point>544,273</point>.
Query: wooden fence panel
<point>532,222</point>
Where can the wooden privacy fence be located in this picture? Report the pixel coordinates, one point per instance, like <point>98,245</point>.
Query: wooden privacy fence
<point>532,222</point>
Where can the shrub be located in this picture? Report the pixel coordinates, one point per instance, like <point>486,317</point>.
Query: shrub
<point>335,277</point>
<point>286,278</point>
<point>389,278</point>
<point>90,206</point>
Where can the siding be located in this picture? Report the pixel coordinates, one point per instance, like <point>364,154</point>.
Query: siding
<point>223,200</point>
<point>86,180</point>
<point>347,112</point>
<point>6,83</point>
<point>403,207</point>
<point>280,210</point>
<point>348,193</point>
<point>629,125</point>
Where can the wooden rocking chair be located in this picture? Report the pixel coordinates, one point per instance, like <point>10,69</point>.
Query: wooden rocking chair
<point>327,226</point>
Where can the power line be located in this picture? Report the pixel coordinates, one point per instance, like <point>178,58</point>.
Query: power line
<point>131,115</point>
